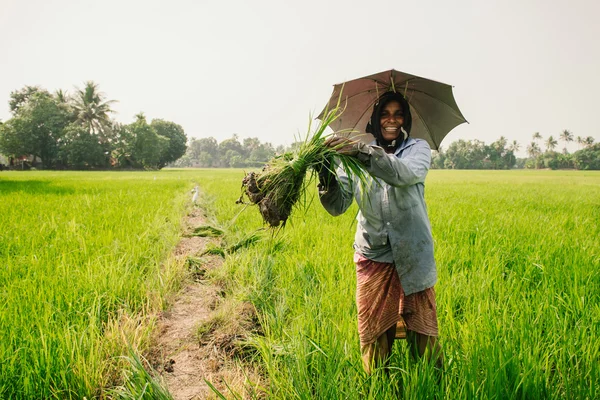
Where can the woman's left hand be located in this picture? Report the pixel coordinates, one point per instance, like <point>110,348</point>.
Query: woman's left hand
<point>343,145</point>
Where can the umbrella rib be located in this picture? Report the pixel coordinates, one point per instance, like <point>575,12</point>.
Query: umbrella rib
<point>368,109</point>
<point>376,81</point>
<point>454,111</point>
<point>411,88</point>
<point>436,145</point>
<point>457,113</point>
<point>357,94</point>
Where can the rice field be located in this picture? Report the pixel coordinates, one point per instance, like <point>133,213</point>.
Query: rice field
<point>85,260</point>
<point>81,257</point>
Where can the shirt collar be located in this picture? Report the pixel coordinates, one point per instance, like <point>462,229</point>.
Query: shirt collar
<point>407,143</point>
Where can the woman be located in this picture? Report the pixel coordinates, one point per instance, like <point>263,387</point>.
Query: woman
<point>394,260</point>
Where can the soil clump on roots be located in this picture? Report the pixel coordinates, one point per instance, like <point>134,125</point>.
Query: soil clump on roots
<point>275,206</point>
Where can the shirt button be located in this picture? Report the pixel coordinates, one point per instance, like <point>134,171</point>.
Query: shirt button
<point>387,223</point>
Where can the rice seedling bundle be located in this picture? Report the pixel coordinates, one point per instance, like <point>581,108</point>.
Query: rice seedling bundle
<point>282,182</point>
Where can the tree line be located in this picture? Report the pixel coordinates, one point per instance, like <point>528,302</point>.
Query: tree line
<point>587,157</point>
<point>461,154</point>
<point>63,131</point>
<point>230,153</point>
<point>475,154</point>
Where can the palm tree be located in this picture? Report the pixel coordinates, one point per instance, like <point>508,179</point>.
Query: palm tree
<point>65,102</point>
<point>566,137</point>
<point>62,96</point>
<point>514,146</point>
<point>589,141</point>
<point>551,143</point>
<point>92,108</point>
<point>533,149</point>
<point>537,136</point>
<point>580,141</point>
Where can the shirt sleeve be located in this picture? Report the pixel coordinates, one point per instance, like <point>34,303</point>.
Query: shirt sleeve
<point>337,198</point>
<point>408,170</point>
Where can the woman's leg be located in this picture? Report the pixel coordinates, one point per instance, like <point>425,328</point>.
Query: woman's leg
<point>377,354</point>
<point>424,346</point>
<point>391,335</point>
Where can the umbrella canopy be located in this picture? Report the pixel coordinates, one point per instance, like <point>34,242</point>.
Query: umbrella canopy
<point>432,105</point>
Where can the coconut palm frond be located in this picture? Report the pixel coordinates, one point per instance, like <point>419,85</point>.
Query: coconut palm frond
<point>92,108</point>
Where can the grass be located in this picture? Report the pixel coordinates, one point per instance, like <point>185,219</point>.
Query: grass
<point>518,295</point>
<point>85,263</point>
<point>81,254</point>
<point>138,383</point>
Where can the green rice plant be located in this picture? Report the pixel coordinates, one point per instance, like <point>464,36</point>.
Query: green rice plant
<point>518,294</point>
<point>206,231</point>
<point>197,267</point>
<point>223,250</point>
<point>281,183</point>
<point>81,253</point>
<point>220,395</point>
<point>138,383</point>
<point>213,249</point>
<point>245,242</point>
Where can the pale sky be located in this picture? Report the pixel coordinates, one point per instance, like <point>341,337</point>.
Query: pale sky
<point>259,68</point>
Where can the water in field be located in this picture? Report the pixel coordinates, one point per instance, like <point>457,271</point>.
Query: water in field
<point>518,294</point>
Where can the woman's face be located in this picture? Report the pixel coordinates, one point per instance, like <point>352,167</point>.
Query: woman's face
<point>392,118</point>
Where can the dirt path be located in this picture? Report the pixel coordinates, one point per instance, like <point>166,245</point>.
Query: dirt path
<point>193,341</point>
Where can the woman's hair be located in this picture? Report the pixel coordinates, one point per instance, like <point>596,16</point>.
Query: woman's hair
<point>374,126</point>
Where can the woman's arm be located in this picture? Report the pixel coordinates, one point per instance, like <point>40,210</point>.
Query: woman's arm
<point>408,170</point>
<point>335,193</point>
<point>405,171</point>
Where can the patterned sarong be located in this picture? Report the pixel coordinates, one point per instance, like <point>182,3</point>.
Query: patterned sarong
<point>382,304</point>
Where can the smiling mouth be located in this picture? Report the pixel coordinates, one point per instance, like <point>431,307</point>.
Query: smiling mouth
<point>390,129</point>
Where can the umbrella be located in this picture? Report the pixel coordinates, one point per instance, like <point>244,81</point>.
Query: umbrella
<point>432,105</point>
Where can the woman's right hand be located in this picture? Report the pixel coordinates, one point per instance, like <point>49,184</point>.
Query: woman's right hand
<point>343,145</point>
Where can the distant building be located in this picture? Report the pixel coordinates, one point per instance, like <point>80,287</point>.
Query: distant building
<point>23,162</point>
